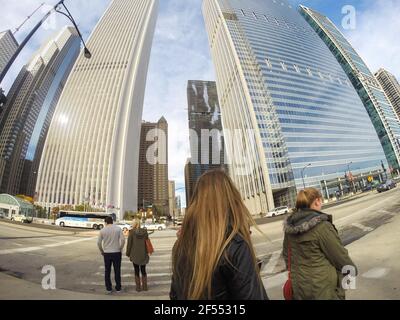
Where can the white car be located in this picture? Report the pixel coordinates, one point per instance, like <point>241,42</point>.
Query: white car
<point>277,212</point>
<point>124,226</point>
<point>155,226</point>
<point>21,218</point>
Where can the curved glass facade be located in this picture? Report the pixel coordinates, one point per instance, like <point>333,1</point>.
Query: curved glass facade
<point>309,117</point>
<point>378,106</point>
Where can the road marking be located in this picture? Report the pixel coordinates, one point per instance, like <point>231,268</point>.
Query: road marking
<point>17,244</point>
<point>154,256</point>
<point>375,273</point>
<point>272,262</point>
<point>150,274</point>
<point>150,268</point>
<point>275,281</point>
<point>64,243</point>
<point>150,283</point>
<point>362,227</point>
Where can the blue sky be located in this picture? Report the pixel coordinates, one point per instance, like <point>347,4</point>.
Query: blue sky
<point>180,51</point>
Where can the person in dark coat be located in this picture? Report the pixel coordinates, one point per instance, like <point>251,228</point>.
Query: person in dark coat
<point>213,257</point>
<point>318,257</point>
<point>137,253</point>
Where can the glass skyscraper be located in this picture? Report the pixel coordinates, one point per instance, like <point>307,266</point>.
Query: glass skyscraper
<point>391,87</point>
<point>30,106</point>
<point>206,141</point>
<point>378,106</point>
<point>280,85</point>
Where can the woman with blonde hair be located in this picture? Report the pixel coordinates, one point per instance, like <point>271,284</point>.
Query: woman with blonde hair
<point>213,257</point>
<point>137,253</point>
<point>313,251</point>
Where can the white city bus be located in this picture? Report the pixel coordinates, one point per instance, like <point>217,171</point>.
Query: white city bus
<point>90,220</point>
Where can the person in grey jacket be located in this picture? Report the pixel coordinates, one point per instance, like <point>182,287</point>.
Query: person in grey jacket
<point>111,242</point>
<point>137,253</point>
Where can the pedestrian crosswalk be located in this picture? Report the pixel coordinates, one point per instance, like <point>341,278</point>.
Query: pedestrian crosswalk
<point>159,271</point>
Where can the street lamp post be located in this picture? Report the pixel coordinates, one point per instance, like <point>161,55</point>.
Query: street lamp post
<point>87,53</point>
<point>302,174</point>
<point>349,172</point>
<point>384,169</point>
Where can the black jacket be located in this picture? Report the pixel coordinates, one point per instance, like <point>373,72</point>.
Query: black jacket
<point>237,280</point>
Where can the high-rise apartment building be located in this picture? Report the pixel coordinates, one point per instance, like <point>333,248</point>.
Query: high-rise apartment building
<point>206,135</point>
<point>391,87</point>
<point>92,148</point>
<point>379,108</point>
<point>289,112</point>
<point>29,109</point>
<point>153,187</point>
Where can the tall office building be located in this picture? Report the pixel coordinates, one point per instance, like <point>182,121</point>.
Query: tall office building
<point>391,87</point>
<point>206,135</point>
<point>8,46</point>
<point>92,148</point>
<point>153,187</point>
<point>178,206</point>
<point>379,108</point>
<point>171,198</point>
<point>29,109</point>
<point>291,112</point>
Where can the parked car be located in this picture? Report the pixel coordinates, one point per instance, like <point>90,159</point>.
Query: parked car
<point>124,226</point>
<point>387,185</point>
<point>277,212</point>
<point>21,218</point>
<point>155,226</point>
<point>366,188</point>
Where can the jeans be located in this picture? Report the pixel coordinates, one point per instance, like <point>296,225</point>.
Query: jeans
<point>115,260</point>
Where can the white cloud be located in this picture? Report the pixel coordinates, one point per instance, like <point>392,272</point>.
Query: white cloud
<point>376,37</point>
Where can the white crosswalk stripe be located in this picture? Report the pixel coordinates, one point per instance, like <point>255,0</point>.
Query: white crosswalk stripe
<point>159,270</point>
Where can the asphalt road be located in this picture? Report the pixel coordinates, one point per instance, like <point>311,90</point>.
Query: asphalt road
<point>26,249</point>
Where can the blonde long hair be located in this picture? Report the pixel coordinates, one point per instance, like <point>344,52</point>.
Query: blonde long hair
<point>216,214</point>
<point>306,197</point>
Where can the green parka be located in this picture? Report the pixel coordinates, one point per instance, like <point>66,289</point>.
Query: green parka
<point>317,256</point>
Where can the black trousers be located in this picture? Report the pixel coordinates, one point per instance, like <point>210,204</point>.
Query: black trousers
<point>113,259</point>
<point>142,270</point>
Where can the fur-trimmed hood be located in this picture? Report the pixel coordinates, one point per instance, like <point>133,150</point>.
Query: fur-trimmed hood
<point>304,220</point>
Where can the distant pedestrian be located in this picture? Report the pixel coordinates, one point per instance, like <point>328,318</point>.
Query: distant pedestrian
<point>111,242</point>
<point>213,257</point>
<point>137,252</point>
<point>313,251</point>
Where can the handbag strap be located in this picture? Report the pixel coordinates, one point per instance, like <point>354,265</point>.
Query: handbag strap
<point>289,258</point>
